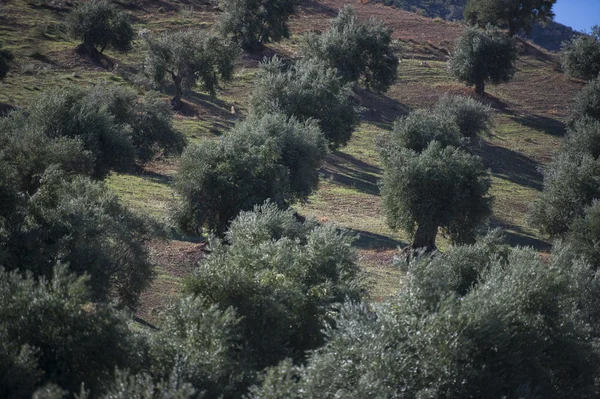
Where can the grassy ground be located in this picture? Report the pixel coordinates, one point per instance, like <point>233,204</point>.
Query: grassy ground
<point>528,115</point>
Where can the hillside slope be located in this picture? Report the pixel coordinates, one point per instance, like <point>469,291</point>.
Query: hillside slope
<point>528,120</point>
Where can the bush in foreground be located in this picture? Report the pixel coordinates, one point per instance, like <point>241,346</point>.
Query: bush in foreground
<point>581,56</point>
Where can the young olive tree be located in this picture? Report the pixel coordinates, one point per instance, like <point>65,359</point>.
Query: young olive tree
<point>361,52</point>
<point>272,157</point>
<point>190,57</point>
<point>581,55</point>
<point>283,278</point>
<point>253,23</point>
<point>515,14</point>
<point>5,58</point>
<point>99,24</point>
<point>483,56</point>
<point>441,187</point>
<point>472,117</point>
<point>306,90</point>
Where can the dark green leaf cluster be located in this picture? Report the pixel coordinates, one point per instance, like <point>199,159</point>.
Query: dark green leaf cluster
<point>52,336</point>
<point>517,15</point>
<point>581,55</point>
<point>586,104</point>
<point>482,56</point>
<point>5,58</point>
<point>253,23</point>
<point>361,52</point>
<point>305,90</point>
<point>188,57</point>
<point>476,321</point>
<point>271,157</point>
<point>472,117</point>
<point>108,123</point>
<point>283,278</point>
<point>99,24</point>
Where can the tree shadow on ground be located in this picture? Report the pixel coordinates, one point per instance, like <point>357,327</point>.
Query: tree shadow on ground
<point>313,7</point>
<point>511,165</point>
<point>515,236</point>
<point>379,109</point>
<point>368,240</point>
<point>347,170</point>
<point>155,177</point>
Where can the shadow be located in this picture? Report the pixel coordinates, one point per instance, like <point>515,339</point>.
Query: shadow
<point>368,240</point>
<point>96,58</point>
<point>511,165</point>
<point>515,236</point>
<point>144,323</point>
<point>42,58</point>
<point>209,105</point>
<point>379,109</point>
<point>346,170</point>
<point>152,176</point>
<point>550,126</point>
<point>313,7</point>
<point>5,109</point>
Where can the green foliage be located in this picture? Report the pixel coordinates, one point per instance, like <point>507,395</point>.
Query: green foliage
<point>82,224</point>
<point>581,55</point>
<point>199,342</point>
<point>99,24</point>
<point>582,138</point>
<point>472,117</point>
<point>571,183</point>
<point>476,321</point>
<point>283,280</point>
<point>189,57</point>
<point>50,333</point>
<point>272,157</point>
<point>142,386</point>
<point>254,23</point>
<point>5,58</point>
<point>516,14</point>
<point>150,121</point>
<point>439,188</point>
<point>584,234</point>
<point>361,52</point>
<point>587,103</point>
<point>483,56</point>
<point>306,90</point>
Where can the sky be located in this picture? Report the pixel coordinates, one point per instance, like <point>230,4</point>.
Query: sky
<point>580,15</point>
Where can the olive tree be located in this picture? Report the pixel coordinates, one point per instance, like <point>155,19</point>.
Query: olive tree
<point>483,56</point>
<point>472,117</point>
<point>190,57</point>
<point>5,58</point>
<point>587,103</point>
<point>306,90</point>
<point>99,24</point>
<point>252,23</point>
<point>283,278</point>
<point>476,321</point>
<point>361,52</point>
<point>515,14</point>
<point>581,55</point>
<point>440,187</point>
<point>272,157</point>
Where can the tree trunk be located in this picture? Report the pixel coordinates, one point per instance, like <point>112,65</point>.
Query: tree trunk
<point>425,238</point>
<point>480,87</point>
<point>176,101</point>
<point>512,28</point>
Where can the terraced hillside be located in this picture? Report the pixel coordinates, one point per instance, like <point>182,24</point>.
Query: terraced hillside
<point>528,121</point>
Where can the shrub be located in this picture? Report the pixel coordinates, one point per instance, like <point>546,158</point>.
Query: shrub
<point>143,386</point>
<point>440,188</point>
<point>189,57</point>
<point>571,183</point>
<point>584,234</point>
<point>583,138</point>
<point>51,334</point>
<point>359,52</point>
<point>416,131</point>
<point>150,121</point>
<point>82,224</point>
<point>483,56</point>
<point>522,329</point>
<point>306,90</point>
<point>99,24</point>
<point>254,23</point>
<point>471,116</point>
<point>283,286</point>
<point>581,55</point>
<point>5,58</point>
<point>587,103</point>
<point>199,343</point>
<point>268,158</point>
